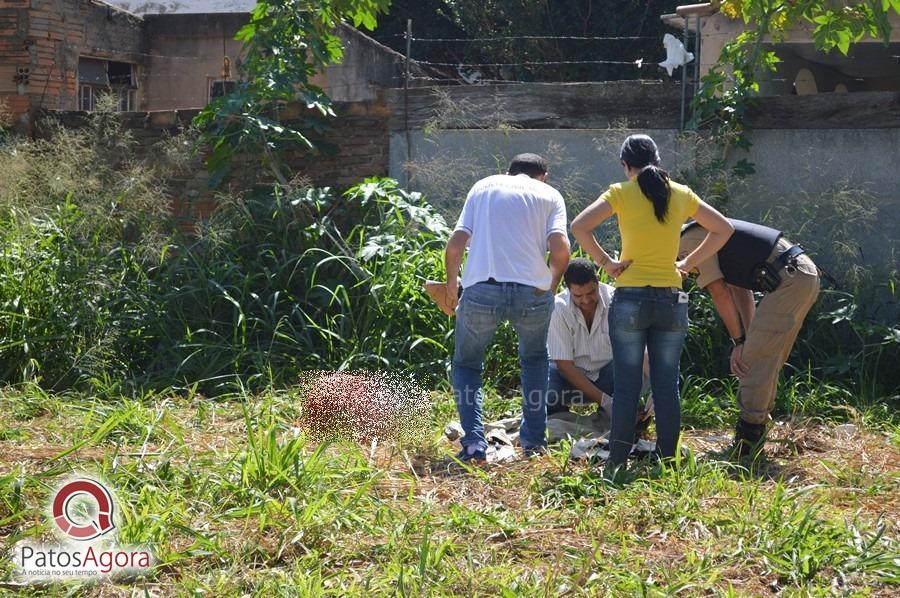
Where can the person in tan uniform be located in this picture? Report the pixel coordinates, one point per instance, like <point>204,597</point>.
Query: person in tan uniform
<point>756,258</point>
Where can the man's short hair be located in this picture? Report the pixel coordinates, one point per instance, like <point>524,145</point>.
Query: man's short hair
<point>531,164</point>
<point>580,271</point>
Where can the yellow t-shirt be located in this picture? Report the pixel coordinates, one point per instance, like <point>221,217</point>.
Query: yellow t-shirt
<point>653,245</point>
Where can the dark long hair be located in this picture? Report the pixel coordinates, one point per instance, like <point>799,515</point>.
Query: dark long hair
<point>639,151</point>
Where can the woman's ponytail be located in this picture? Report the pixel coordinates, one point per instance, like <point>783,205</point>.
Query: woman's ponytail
<point>654,183</point>
<point>640,151</point>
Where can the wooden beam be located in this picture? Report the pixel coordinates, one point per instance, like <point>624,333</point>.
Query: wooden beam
<point>697,10</point>
<point>632,104</point>
<point>857,110</point>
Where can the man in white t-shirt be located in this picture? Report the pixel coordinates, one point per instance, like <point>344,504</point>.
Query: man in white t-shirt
<point>509,222</point>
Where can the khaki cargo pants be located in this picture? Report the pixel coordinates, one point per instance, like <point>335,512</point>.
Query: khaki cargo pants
<point>772,333</point>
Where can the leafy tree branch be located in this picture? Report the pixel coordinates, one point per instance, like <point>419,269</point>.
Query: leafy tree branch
<point>287,42</point>
<point>729,88</point>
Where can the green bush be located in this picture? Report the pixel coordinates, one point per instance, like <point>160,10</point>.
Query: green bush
<point>67,309</point>
<point>305,279</point>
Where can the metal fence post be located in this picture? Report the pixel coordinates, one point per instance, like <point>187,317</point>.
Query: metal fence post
<point>406,168</point>
<point>696,62</point>
<point>684,75</point>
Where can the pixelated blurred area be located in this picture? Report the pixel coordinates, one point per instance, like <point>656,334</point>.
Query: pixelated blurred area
<point>363,407</point>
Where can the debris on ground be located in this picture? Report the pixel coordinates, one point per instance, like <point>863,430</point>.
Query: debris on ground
<point>587,432</point>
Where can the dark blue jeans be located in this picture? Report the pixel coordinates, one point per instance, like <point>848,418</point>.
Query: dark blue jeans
<point>481,309</point>
<point>561,394</point>
<point>648,317</point>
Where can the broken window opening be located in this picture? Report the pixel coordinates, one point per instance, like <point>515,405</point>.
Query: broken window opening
<point>120,73</point>
<point>99,77</point>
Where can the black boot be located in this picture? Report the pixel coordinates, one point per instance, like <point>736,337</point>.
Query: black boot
<point>748,439</point>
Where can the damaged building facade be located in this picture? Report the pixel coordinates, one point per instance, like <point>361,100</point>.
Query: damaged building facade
<point>64,54</point>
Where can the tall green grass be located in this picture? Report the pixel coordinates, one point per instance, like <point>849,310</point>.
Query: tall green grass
<point>278,282</point>
<point>73,255</point>
<point>282,282</point>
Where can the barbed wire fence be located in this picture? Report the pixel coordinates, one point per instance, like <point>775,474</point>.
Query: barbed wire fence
<point>466,71</point>
<point>444,173</point>
<point>521,69</point>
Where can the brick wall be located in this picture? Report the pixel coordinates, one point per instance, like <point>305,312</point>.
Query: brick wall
<point>14,54</point>
<point>359,136</point>
<point>63,30</point>
<point>358,139</point>
<point>13,51</point>
<point>177,56</point>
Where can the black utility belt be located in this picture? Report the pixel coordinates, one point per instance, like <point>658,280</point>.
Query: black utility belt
<point>766,275</point>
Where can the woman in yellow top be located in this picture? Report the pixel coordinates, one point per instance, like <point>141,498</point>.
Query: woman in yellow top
<point>648,310</point>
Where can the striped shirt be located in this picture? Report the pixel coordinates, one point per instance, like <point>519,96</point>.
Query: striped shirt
<point>570,340</point>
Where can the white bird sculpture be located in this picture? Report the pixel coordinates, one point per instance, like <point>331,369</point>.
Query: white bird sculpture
<point>676,55</point>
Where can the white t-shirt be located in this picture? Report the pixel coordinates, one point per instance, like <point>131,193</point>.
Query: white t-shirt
<point>569,338</point>
<point>509,219</point>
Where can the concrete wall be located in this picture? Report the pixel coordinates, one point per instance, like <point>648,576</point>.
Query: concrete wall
<point>786,161</point>
<point>814,161</point>
<point>187,55</point>
<point>583,162</point>
<point>367,66</point>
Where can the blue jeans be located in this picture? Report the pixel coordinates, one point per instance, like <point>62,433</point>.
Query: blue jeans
<point>648,317</point>
<point>561,394</point>
<point>482,308</point>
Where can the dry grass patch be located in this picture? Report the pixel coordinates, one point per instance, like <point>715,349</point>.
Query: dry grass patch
<point>236,502</point>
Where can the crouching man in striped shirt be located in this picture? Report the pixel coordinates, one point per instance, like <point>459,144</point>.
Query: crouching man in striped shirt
<point>578,345</point>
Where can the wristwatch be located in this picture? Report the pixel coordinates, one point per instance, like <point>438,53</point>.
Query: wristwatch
<point>739,341</point>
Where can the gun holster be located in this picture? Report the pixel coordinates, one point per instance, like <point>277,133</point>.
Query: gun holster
<point>766,277</point>
<point>765,274</point>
